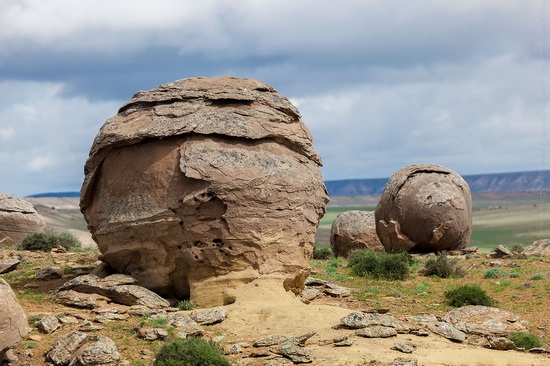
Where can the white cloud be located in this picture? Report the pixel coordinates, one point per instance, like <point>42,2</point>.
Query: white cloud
<point>6,133</point>
<point>40,163</point>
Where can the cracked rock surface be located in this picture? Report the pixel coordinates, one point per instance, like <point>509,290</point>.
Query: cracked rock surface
<point>18,218</point>
<point>203,184</point>
<point>425,208</point>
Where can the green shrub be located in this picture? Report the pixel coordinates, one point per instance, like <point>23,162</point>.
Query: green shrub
<point>322,253</point>
<point>494,273</point>
<point>468,295</point>
<point>44,242</point>
<point>190,352</point>
<point>443,267</point>
<point>391,266</point>
<point>186,305</point>
<point>537,277</point>
<point>525,340</point>
<point>517,248</point>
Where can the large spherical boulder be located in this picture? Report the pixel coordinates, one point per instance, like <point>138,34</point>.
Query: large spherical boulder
<point>352,230</point>
<point>424,208</point>
<point>203,184</point>
<point>13,321</point>
<point>18,218</point>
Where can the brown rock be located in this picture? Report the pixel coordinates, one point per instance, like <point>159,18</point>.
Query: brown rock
<point>540,248</point>
<point>8,265</point>
<point>13,321</point>
<point>203,184</point>
<point>18,218</point>
<point>352,230</point>
<point>424,208</point>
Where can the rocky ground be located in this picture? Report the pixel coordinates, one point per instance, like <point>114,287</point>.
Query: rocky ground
<point>313,332</point>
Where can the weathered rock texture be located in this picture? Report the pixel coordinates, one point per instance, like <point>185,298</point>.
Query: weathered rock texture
<point>13,321</point>
<point>352,230</point>
<point>202,184</point>
<point>539,248</point>
<point>18,218</point>
<point>424,208</point>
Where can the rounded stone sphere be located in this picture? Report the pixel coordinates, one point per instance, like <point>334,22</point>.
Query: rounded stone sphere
<point>354,230</point>
<point>424,208</point>
<point>204,184</point>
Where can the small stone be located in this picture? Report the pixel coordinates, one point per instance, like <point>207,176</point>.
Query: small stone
<point>260,352</point>
<point>48,324</point>
<point>447,330</point>
<point>271,340</point>
<point>346,343</point>
<point>420,333</point>
<point>35,337</point>
<point>310,294</point>
<point>235,349</point>
<point>88,326</point>
<point>152,334</point>
<point>8,265</point>
<point>405,347</point>
<point>538,350</point>
<point>402,361</point>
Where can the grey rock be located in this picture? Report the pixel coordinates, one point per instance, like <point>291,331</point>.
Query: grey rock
<point>152,334</point>
<point>271,340</point>
<point>235,349</point>
<point>49,273</point>
<point>78,348</point>
<point>293,352</point>
<point>346,343</point>
<point>63,349</point>
<point>310,294</point>
<point>501,344</point>
<point>337,291</point>
<point>402,361</point>
<point>48,324</point>
<point>357,320</point>
<point>8,265</point>
<point>210,316</point>
<point>183,323</point>
<point>446,330</point>
<point>538,350</point>
<point>78,300</point>
<point>88,326</point>
<point>100,351</point>
<point>376,331</point>
<point>312,281</point>
<point>118,288</point>
<point>405,347</point>
<point>485,321</point>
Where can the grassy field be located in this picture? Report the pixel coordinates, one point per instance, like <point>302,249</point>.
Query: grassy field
<point>498,219</point>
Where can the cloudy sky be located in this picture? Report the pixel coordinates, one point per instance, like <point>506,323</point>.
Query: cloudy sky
<point>381,84</point>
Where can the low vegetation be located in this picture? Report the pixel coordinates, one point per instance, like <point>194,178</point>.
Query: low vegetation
<point>44,242</point>
<point>191,352</point>
<point>468,295</point>
<point>525,340</point>
<point>322,253</point>
<point>390,266</point>
<point>443,267</point>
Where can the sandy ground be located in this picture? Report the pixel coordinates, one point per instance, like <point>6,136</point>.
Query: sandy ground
<point>265,309</point>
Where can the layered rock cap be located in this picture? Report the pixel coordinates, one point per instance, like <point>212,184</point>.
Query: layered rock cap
<point>18,218</point>
<point>203,184</point>
<point>425,208</point>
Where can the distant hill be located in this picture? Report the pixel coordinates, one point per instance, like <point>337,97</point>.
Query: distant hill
<point>55,195</point>
<point>480,183</point>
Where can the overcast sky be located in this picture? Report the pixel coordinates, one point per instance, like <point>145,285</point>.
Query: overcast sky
<point>380,84</point>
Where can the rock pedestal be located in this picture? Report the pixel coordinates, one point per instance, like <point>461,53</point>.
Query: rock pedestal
<point>203,184</point>
<point>424,208</point>
<point>18,218</point>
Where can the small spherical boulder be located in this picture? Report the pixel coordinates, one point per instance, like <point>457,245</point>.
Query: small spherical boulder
<point>424,208</point>
<point>204,184</point>
<point>352,230</point>
<point>18,218</point>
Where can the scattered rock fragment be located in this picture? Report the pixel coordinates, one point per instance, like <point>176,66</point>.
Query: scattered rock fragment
<point>48,324</point>
<point>501,252</point>
<point>49,273</point>
<point>271,340</point>
<point>405,347</point>
<point>79,300</point>
<point>485,321</point>
<point>210,316</point>
<point>8,265</point>
<point>185,326</point>
<point>152,334</point>
<point>78,348</point>
<point>357,320</point>
<point>501,344</point>
<point>402,361</point>
<point>446,330</point>
<point>539,248</point>
<point>376,331</point>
